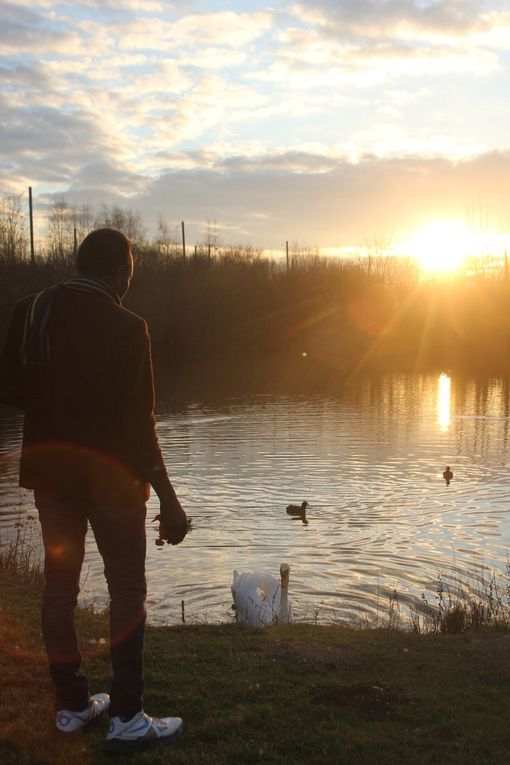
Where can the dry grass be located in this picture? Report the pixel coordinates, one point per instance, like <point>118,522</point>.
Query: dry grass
<point>20,556</point>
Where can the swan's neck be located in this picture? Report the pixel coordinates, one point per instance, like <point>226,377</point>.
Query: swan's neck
<point>283,616</point>
<point>283,611</point>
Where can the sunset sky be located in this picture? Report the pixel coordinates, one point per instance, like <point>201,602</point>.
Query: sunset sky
<point>329,122</point>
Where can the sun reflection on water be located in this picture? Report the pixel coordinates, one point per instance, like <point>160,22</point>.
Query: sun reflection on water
<point>444,385</point>
<point>368,457</point>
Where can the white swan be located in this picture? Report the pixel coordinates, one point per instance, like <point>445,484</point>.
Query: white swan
<point>260,599</point>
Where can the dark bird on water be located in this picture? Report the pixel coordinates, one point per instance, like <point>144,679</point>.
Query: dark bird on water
<point>447,475</point>
<point>297,509</point>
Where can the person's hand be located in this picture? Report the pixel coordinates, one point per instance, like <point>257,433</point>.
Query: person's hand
<point>173,523</point>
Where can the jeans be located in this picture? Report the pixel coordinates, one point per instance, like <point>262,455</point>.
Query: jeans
<point>120,537</point>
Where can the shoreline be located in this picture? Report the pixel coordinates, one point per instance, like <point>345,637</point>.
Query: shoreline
<point>292,694</point>
<point>456,601</point>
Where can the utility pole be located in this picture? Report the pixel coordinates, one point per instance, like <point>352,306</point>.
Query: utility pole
<point>183,240</point>
<point>287,253</point>
<point>31,218</point>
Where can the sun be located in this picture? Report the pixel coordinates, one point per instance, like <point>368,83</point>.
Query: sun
<point>442,246</point>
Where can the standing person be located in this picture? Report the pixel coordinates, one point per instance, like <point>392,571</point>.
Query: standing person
<point>79,364</point>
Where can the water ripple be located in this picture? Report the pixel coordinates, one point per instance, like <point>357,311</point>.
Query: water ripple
<point>369,461</point>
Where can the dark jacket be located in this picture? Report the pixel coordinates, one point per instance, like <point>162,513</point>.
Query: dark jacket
<point>89,415</point>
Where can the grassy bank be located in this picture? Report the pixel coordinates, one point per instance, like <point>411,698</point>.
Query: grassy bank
<point>295,694</point>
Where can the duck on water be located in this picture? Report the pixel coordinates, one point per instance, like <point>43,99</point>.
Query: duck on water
<point>297,510</point>
<point>447,475</point>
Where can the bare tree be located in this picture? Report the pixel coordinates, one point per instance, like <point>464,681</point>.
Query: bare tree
<point>377,252</point>
<point>60,231</point>
<point>127,221</point>
<point>212,233</point>
<point>166,240</point>
<point>82,220</point>
<point>13,235</point>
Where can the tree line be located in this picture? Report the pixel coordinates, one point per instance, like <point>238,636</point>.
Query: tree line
<point>312,317</point>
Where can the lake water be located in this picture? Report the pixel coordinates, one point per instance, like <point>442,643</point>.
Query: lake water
<point>368,458</point>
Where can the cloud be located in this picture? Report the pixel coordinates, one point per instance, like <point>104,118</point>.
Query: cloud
<point>345,204</point>
<point>305,65</point>
<point>225,29</point>
<point>383,18</point>
<point>132,6</point>
<point>313,198</point>
<point>303,115</point>
<point>25,31</point>
<point>214,58</point>
<point>107,179</point>
<point>43,145</point>
<point>212,101</point>
<point>370,40</point>
<point>25,76</point>
<point>147,76</point>
<point>308,197</point>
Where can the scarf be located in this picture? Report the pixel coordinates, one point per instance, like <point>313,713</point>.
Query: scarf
<point>35,346</point>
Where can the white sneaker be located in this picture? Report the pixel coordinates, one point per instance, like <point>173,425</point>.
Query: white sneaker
<point>71,722</point>
<point>141,732</point>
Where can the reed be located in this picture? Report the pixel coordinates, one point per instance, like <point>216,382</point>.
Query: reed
<point>465,602</point>
<point>340,314</point>
<point>20,556</point>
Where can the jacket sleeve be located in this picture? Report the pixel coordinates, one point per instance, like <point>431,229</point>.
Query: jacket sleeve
<point>133,388</point>
<point>11,380</point>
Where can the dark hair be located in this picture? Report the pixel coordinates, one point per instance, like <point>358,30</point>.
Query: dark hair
<point>102,252</point>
